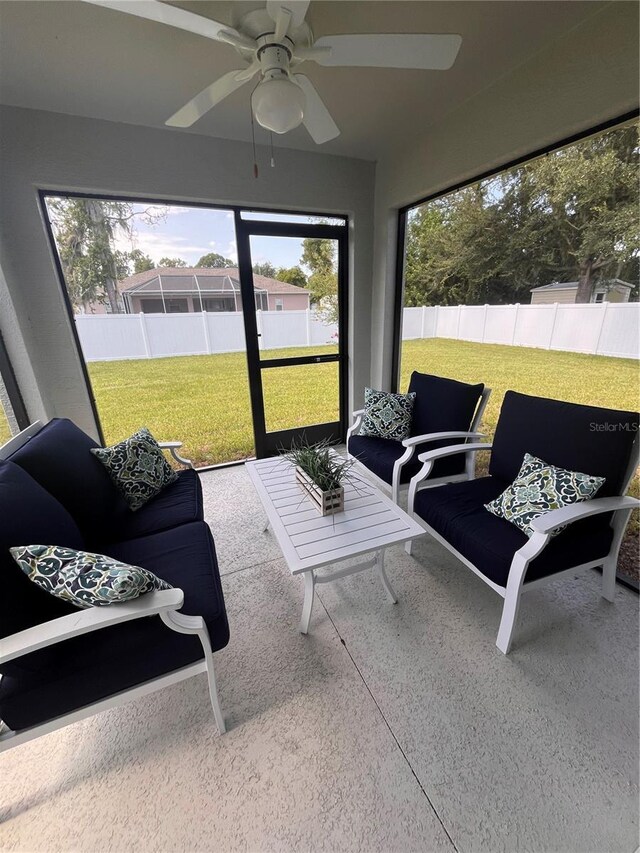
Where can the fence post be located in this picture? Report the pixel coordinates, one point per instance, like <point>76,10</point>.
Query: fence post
<point>598,339</point>
<point>458,323</point>
<point>205,324</point>
<point>484,321</point>
<point>435,322</point>
<point>515,324</point>
<point>308,319</point>
<point>422,319</point>
<point>145,336</point>
<point>553,324</point>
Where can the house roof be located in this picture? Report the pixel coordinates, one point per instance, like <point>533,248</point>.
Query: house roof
<point>572,285</point>
<point>196,279</point>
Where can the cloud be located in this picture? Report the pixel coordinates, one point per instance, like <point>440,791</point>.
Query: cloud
<point>158,245</point>
<point>231,252</point>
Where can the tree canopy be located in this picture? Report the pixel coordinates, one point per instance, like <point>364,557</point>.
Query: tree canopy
<point>292,275</point>
<point>172,262</point>
<point>319,256</point>
<point>215,261</point>
<point>265,268</point>
<point>569,216</point>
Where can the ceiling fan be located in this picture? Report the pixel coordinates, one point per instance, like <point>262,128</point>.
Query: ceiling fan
<point>273,42</point>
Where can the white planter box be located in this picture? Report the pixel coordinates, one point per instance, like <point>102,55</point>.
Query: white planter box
<point>327,503</point>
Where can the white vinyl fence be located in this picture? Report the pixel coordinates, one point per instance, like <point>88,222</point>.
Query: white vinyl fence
<point>111,337</point>
<point>605,328</point>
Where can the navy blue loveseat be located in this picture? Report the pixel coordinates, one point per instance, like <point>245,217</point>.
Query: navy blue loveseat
<point>53,491</point>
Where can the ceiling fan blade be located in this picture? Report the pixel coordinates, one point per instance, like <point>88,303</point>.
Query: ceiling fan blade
<point>212,95</point>
<point>317,118</point>
<point>428,51</point>
<point>153,10</point>
<point>282,23</point>
<point>298,9</point>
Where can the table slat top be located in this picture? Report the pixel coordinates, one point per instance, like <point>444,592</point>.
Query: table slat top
<point>308,540</point>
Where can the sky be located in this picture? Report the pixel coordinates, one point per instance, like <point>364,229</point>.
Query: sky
<point>190,232</point>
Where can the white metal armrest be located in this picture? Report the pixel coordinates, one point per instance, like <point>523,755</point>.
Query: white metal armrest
<point>353,429</point>
<point>429,457</point>
<point>172,447</point>
<point>84,621</point>
<point>439,436</point>
<point>548,522</point>
<point>442,452</point>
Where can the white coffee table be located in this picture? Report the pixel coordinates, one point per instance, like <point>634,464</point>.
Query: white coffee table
<point>370,523</point>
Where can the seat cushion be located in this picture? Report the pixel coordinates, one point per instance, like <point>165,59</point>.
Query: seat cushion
<point>29,514</point>
<point>177,504</point>
<point>581,438</point>
<point>84,670</point>
<point>59,458</point>
<point>379,456</point>
<point>457,513</point>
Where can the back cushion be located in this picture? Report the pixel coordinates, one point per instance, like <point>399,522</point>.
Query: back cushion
<point>442,405</point>
<point>582,438</point>
<point>29,516</point>
<point>58,458</point>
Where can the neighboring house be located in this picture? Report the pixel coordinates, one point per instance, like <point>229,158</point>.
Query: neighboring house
<point>613,290</point>
<point>177,290</point>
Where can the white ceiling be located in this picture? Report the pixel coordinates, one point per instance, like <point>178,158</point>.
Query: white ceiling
<point>72,57</point>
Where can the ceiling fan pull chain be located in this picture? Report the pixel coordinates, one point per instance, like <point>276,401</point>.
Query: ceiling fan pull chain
<point>273,162</point>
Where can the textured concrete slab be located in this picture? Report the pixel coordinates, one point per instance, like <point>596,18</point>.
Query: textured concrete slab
<point>389,727</point>
<point>535,751</point>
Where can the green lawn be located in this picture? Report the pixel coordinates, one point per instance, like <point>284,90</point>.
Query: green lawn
<point>204,400</point>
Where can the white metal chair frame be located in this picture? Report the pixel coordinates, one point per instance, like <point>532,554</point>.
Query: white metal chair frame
<point>164,603</point>
<point>621,507</point>
<point>414,441</point>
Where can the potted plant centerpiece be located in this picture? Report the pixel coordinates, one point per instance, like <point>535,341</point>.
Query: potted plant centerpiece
<point>321,474</point>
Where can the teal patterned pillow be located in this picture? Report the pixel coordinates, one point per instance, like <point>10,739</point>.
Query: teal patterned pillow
<point>137,466</point>
<point>83,579</point>
<point>540,488</point>
<point>387,415</point>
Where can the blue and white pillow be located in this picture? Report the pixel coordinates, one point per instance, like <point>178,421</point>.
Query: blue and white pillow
<point>84,579</point>
<point>387,415</point>
<point>138,467</point>
<point>540,488</point>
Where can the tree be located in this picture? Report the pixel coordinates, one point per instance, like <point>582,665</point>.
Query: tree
<point>319,256</point>
<point>265,268</point>
<point>292,275</point>
<point>215,261</point>
<point>85,229</point>
<point>140,262</point>
<point>590,193</point>
<point>572,215</point>
<point>172,262</point>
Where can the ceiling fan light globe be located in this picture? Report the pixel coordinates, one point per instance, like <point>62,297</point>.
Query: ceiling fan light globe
<point>278,104</point>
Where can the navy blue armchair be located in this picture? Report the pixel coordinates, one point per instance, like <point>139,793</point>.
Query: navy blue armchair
<point>599,442</point>
<point>59,664</point>
<point>444,411</point>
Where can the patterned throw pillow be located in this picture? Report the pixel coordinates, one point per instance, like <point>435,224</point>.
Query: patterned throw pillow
<point>540,488</point>
<point>387,415</point>
<point>137,466</point>
<point>83,579</point>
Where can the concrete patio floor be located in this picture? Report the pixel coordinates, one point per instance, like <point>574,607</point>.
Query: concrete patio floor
<point>388,728</point>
